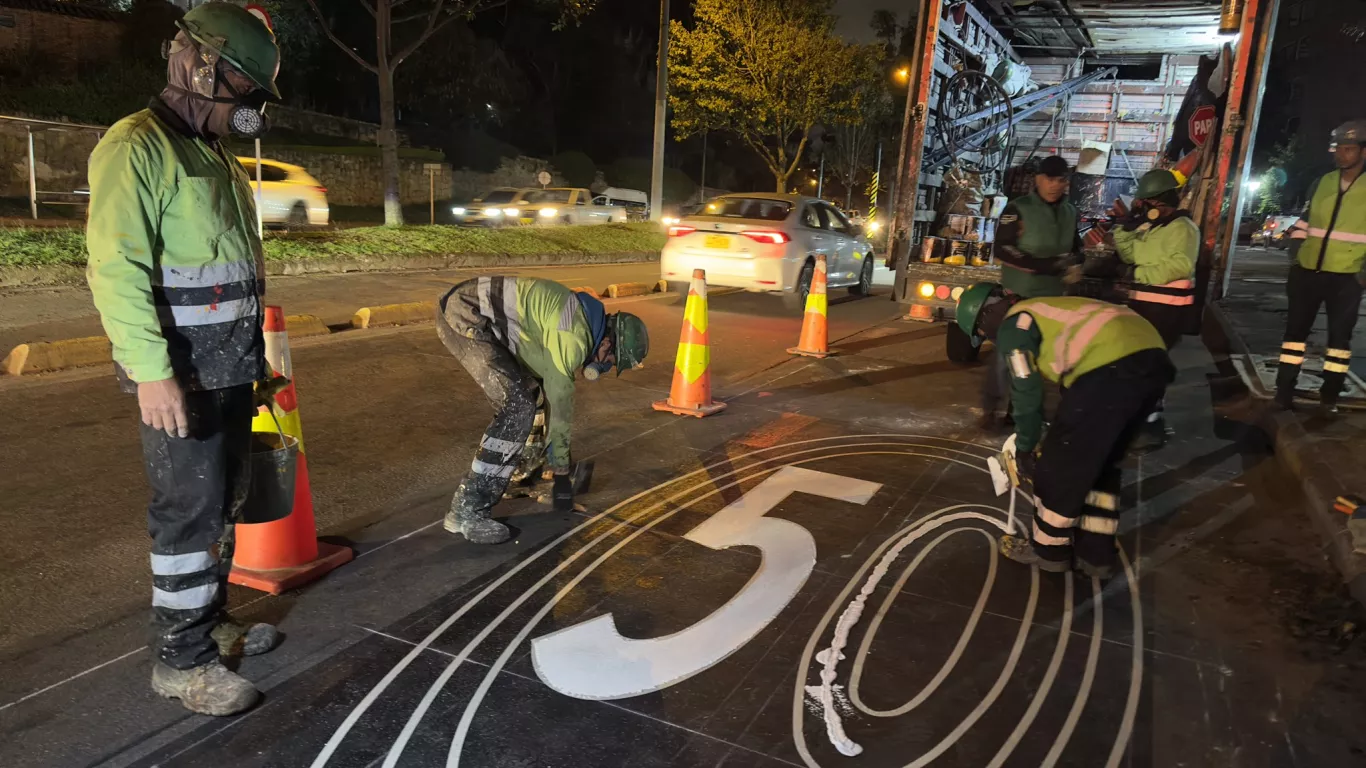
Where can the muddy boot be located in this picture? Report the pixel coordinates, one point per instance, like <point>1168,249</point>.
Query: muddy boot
<point>477,527</point>
<point>1099,572</point>
<point>208,690</point>
<point>1285,399</point>
<point>237,639</point>
<point>1149,437</point>
<point>1021,551</point>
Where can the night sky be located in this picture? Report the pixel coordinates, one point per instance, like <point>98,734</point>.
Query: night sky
<point>854,16</point>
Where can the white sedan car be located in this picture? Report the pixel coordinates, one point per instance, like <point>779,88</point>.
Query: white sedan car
<point>768,242</point>
<point>289,195</point>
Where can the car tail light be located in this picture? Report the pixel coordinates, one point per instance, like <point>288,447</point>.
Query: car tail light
<point>941,292</point>
<point>321,190</point>
<point>679,230</point>
<point>768,236</point>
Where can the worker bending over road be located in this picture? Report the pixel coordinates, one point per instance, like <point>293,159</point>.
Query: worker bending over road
<point>1113,368</point>
<point>523,340</point>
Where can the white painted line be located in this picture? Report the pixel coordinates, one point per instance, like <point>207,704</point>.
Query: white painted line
<point>963,638</point>
<point>1088,677</point>
<point>335,741</point>
<point>1126,725</point>
<point>462,729</point>
<point>60,683</point>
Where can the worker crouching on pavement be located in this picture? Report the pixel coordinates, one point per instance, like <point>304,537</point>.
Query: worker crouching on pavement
<point>1036,244</point>
<point>176,272</point>
<point>1328,244</point>
<point>524,339</point>
<point>1159,244</point>
<point>1113,367</point>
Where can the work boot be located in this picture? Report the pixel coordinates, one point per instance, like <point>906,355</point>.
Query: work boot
<point>209,689</point>
<point>1285,399</point>
<point>1100,572</point>
<point>1021,551</point>
<point>237,639</point>
<point>1328,404</point>
<point>477,527</point>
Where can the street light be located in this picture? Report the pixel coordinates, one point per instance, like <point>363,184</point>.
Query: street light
<point>1253,185</point>
<point>903,73</point>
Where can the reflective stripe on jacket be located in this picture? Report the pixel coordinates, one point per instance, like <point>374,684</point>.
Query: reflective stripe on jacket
<point>175,265</point>
<point>1164,260</point>
<point>1333,230</point>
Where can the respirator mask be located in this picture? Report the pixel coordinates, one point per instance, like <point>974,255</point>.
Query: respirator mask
<point>247,117</point>
<point>594,370</point>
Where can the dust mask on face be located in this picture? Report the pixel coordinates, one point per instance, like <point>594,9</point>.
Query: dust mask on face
<point>202,92</point>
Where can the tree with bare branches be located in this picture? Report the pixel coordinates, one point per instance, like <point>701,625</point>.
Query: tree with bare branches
<point>416,24</point>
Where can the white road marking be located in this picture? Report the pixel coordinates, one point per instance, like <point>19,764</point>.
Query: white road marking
<point>1088,677</point>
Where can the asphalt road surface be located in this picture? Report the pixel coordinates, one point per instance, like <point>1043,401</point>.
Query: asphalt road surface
<point>687,618</point>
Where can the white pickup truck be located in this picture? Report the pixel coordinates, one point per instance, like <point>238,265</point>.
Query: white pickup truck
<point>573,205</point>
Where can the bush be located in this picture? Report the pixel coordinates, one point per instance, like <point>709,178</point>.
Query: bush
<point>576,167</point>
<point>101,97</point>
<point>634,173</point>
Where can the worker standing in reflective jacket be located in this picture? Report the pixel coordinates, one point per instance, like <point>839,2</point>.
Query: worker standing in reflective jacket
<point>1159,245</point>
<point>1113,367</point>
<point>1328,244</point>
<point>175,270</point>
<point>1036,243</point>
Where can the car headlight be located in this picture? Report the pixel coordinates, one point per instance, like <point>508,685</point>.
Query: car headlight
<point>549,213</point>
<point>458,211</point>
<point>669,221</point>
<point>513,212</point>
<point>495,212</point>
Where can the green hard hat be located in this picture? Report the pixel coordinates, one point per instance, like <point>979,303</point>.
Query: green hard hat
<point>1155,182</point>
<point>970,305</point>
<point>240,38</point>
<point>630,341</point>
<point>1352,130</point>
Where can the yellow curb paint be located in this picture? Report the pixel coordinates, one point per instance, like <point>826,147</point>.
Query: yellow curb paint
<point>48,356</point>
<point>394,314</point>
<point>303,326</point>
<point>618,290</point>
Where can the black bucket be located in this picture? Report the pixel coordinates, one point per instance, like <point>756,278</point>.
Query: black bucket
<point>274,462</point>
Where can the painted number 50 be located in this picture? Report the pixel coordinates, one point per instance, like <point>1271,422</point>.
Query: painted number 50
<point>591,660</point>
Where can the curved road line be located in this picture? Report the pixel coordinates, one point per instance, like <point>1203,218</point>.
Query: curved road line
<point>1087,678</point>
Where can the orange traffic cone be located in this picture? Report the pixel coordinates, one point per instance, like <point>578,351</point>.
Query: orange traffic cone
<point>690,394</point>
<point>285,553</point>
<point>814,341</point>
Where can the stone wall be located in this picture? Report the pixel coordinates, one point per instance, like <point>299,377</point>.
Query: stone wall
<point>61,155</point>
<point>308,121</point>
<point>62,36</point>
<point>357,179</point>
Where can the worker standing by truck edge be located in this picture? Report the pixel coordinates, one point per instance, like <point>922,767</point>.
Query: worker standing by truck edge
<point>1328,245</point>
<point>1113,367</point>
<point>1159,243</point>
<point>1036,243</point>
<point>176,272</point>
<point>519,338</point>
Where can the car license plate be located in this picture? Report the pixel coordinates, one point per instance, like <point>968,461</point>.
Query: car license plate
<point>719,242</point>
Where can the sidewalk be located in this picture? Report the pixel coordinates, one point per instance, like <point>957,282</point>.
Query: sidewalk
<point>1323,453</point>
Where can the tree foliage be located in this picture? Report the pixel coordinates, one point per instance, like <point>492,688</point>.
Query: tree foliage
<point>767,71</point>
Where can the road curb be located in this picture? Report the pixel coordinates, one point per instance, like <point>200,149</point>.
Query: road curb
<point>1297,453</point>
<point>394,314</point>
<point>451,261</point>
<point>304,326</point>
<point>61,355</point>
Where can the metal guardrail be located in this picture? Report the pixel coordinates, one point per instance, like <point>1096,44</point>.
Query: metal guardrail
<point>48,125</point>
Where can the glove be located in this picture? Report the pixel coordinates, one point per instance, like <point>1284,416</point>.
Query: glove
<point>562,494</point>
<point>265,390</point>
<point>1072,275</point>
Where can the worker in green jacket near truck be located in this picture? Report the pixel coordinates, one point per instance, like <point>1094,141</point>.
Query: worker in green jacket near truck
<point>1036,243</point>
<point>1158,244</point>
<point>175,270</point>
<point>1328,244</point>
<point>524,340</point>
<point>1113,367</point>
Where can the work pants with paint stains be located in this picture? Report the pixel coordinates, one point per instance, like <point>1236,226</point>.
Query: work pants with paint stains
<point>512,391</point>
<point>1340,295</point>
<point>199,486</point>
<point>1077,477</point>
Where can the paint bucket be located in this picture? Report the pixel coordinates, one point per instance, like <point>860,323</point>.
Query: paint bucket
<point>274,461</point>
<point>988,230</point>
<point>932,250</point>
<point>964,226</point>
<point>981,254</point>
<point>957,254</point>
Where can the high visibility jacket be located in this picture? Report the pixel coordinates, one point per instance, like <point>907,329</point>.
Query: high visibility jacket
<point>175,265</point>
<point>545,326</point>
<point>1333,230</point>
<point>1031,236</point>
<point>1164,260</point>
<point>1062,339</point>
